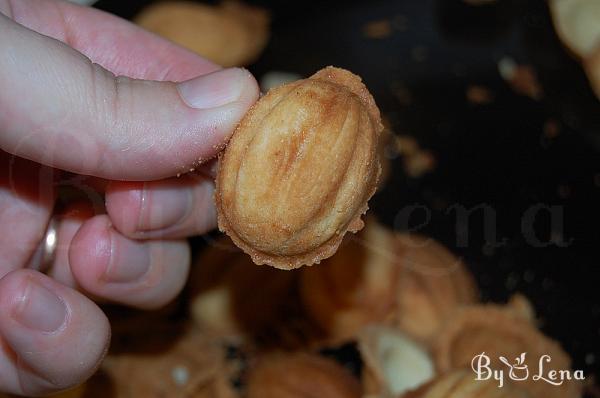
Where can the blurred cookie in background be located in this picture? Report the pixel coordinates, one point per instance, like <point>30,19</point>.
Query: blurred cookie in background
<point>381,277</point>
<point>503,334</point>
<point>300,375</point>
<point>194,365</point>
<point>229,34</point>
<point>243,303</point>
<point>461,384</point>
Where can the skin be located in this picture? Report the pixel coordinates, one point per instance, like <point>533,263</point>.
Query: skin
<point>62,109</point>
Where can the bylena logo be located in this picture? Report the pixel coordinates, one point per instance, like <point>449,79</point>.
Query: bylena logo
<point>518,370</point>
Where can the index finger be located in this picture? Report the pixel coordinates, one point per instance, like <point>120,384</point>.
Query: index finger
<point>107,40</point>
<point>59,108</point>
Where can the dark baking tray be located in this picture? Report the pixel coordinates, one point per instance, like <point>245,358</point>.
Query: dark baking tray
<point>493,155</point>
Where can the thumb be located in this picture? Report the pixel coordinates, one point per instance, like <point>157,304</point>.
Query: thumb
<point>59,109</point>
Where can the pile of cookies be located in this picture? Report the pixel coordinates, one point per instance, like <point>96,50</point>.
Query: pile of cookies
<point>389,315</point>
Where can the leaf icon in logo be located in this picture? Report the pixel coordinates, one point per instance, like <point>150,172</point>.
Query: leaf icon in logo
<point>518,371</point>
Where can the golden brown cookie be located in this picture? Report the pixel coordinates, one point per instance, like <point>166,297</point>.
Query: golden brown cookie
<point>299,170</point>
<point>378,276</point>
<point>432,284</point>
<point>300,375</point>
<point>229,34</point>
<point>461,384</point>
<point>503,333</point>
<point>191,365</point>
<point>355,287</point>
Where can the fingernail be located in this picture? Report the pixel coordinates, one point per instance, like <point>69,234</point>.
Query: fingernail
<point>214,89</point>
<point>40,309</point>
<point>163,207</point>
<point>129,260</point>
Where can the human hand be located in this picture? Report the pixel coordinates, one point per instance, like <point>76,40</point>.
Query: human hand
<point>62,112</point>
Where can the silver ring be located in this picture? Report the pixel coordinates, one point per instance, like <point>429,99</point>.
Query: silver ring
<point>45,254</point>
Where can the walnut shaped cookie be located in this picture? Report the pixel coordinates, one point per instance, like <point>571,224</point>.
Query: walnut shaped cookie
<point>229,33</point>
<point>299,170</point>
<point>460,383</point>
<point>504,331</point>
<point>300,375</point>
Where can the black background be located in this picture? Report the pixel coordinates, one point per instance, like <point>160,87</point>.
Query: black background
<point>494,155</point>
